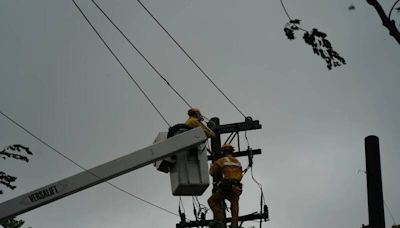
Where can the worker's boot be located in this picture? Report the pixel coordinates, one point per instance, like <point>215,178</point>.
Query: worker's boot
<point>233,226</point>
<point>216,224</point>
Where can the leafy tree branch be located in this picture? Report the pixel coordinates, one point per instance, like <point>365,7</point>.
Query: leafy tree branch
<point>6,180</point>
<point>14,152</point>
<point>12,223</point>
<point>316,39</point>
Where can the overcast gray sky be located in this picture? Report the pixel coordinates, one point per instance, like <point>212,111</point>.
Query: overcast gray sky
<point>58,80</point>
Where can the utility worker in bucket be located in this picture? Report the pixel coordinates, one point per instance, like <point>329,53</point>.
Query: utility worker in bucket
<point>195,119</point>
<point>228,188</point>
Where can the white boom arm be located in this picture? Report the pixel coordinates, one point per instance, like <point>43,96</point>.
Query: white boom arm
<point>101,173</point>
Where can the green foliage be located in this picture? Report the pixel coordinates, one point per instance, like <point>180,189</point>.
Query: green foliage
<point>290,28</point>
<point>7,180</point>
<point>11,152</point>
<point>317,40</point>
<point>322,47</point>
<point>12,223</point>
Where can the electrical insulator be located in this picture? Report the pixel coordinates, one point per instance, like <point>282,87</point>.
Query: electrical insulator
<point>266,212</point>
<point>183,216</point>
<point>203,216</point>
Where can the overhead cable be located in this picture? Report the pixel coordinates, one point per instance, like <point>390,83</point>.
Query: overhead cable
<point>83,168</point>
<point>120,63</point>
<point>190,58</point>
<point>141,54</point>
<point>286,12</point>
<point>390,212</point>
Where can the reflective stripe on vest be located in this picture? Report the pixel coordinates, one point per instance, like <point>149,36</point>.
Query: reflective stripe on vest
<point>228,162</point>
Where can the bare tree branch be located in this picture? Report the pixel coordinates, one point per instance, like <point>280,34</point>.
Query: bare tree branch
<point>389,24</point>
<point>391,9</point>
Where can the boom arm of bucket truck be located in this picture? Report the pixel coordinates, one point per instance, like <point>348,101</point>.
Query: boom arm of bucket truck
<point>86,179</point>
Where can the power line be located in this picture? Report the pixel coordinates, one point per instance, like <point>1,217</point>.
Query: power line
<point>284,8</point>
<point>390,212</point>
<point>143,200</point>
<point>190,58</point>
<point>83,168</point>
<point>140,53</point>
<point>290,19</point>
<point>119,61</point>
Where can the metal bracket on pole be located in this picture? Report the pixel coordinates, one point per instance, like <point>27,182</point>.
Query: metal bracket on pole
<point>250,217</point>
<point>236,127</point>
<point>241,153</point>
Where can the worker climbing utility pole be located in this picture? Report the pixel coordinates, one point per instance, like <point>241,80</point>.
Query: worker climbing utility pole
<point>233,129</point>
<point>217,153</point>
<point>228,188</point>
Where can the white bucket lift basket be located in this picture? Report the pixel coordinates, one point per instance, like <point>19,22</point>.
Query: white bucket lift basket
<point>188,169</point>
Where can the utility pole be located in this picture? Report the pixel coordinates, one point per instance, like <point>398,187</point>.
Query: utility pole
<point>216,142</point>
<point>376,214</point>
<point>215,154</point>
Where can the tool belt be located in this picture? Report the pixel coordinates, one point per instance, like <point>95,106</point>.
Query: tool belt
<point>226,185</point>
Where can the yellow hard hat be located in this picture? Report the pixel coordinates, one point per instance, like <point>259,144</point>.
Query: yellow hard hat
<point>227,148</point>
<point>193,111</point>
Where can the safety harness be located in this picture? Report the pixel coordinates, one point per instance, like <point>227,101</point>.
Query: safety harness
<point>226,185</point>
